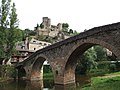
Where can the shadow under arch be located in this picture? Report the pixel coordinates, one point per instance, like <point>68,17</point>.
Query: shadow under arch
<point>21,73</point>
<point>69,69</point>
<point>37,68</point>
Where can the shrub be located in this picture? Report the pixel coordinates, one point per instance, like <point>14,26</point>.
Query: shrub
<point>8,71</point>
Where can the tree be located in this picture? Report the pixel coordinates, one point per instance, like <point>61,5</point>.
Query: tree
<point>71,31</point>
<point>75,32</point>
<point>29,32</point>
<point>65,27</point>
<point>9,32</point>
<point>87,61</point>
<point>101,53</point>
<point>3,26</point>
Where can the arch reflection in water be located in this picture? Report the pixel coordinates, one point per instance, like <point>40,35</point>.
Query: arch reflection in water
<point>65,87</point>
<point>42,85</point>
<point>34,85</point>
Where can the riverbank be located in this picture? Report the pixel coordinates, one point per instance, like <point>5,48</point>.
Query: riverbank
<point>48,76</point>
<point>5,80</point>
<point>106,82</point>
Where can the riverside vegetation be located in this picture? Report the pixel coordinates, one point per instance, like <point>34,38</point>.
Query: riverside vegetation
<point>107,82</point>
<point>94,61</point>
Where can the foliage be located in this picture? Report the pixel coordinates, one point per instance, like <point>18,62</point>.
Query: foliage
<point>65,27</point>
<point>90,62</point>
<point>87,61</point>
<point>47,69</point>
<point>75,33</point>
<point>70,31</point>
<point>9,32</point>
<point>7,71</point>
<point>103,84</point>
<point>29,32</point>
<point>112,67</point>
<point>48,76</point>
<point>101,53</point>
<point>47,73</point>
<point>47,38</point>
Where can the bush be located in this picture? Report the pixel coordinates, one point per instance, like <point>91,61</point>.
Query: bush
<point>112,67</point>
<point>7,71</point>
<point>47,69</point>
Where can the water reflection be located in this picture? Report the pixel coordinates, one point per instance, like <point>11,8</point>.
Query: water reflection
<point>65,87</point>
<point>48,84</point>
<point>34,85</point>
<point>42,85</point>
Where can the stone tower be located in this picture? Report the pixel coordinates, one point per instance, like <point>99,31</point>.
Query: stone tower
<point>46,22</point>
<point>59,27</point>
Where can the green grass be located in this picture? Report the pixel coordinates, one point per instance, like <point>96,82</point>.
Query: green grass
<point>97,83</point>
<point>48,76</point>
<point>115,73</point>
<point>103,83</point>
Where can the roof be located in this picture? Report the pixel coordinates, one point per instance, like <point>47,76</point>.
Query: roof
<point>34,41</point>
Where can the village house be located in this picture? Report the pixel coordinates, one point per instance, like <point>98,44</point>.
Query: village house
<point>26,48</point>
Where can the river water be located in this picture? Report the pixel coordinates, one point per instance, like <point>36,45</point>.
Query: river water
<point>42,85</point>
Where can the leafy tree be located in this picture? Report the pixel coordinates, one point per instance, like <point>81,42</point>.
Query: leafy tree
<point>65,27</point>
<point>91,58</point>
<point>71,31</point>
<point>29,32</point>
<point>75,32</point>
<point>101,53</point>
<point>9,33</point>
<point>87,61</point>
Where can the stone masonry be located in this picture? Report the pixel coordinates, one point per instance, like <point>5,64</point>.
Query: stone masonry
<point>63,55</point>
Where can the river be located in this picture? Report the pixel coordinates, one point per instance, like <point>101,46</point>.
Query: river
<point>42,85</point>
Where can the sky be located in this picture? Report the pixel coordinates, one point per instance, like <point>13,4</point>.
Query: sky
<point>79,14</point>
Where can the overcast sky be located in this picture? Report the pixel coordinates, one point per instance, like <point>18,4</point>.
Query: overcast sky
<point>79,14</point>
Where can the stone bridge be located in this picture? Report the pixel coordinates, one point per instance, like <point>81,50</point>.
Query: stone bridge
<point>62,56</point>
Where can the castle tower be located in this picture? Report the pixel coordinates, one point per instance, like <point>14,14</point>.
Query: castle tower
<point>59,26</point>
<point>46,22</point>
<point>49,22</point>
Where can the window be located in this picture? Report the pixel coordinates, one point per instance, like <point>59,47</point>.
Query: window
<point>22,47</point>
<point>56,72</point>
<point>45,44</point>
<point>40,43</point>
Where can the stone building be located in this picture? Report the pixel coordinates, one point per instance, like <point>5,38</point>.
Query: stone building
<point>46,29</point>
<point>26,48</point>
<point>36,44</point>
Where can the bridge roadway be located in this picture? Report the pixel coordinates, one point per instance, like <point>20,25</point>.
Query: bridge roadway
<point>63,55</point>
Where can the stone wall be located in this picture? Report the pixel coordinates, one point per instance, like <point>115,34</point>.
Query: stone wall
<point>63,55</point>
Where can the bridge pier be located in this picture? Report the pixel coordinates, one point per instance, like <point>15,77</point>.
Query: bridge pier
<point>37,75</point>
<point>67,77</point>
<point>63,80</point>
<point>63,55</point>
<point>33,75</point>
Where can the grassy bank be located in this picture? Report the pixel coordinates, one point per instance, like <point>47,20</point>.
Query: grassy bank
<point>48,76</point>
<point>107,82</point>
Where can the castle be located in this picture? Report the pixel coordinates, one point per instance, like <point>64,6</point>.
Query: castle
<point>46,29</point>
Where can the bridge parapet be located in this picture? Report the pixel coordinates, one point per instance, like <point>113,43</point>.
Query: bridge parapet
<point>63,55</point>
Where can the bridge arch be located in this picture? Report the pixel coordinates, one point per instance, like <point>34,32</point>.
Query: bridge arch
<point>21,73</point>
<point>37,67</point>
<point>77,50</point>
<point>63,55</point>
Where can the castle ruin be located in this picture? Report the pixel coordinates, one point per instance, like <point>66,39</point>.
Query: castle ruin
<point>46,29</point>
